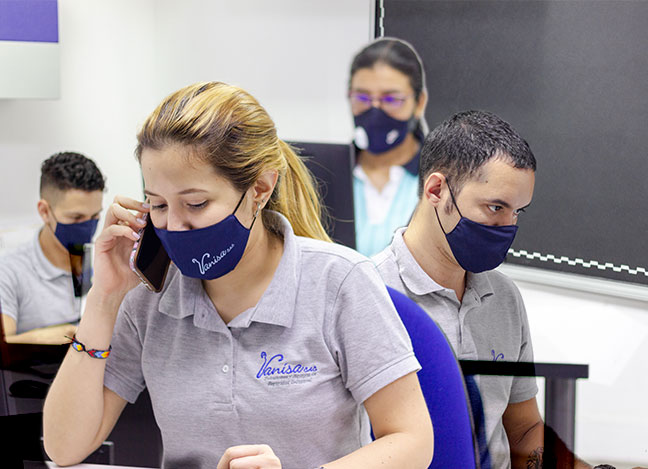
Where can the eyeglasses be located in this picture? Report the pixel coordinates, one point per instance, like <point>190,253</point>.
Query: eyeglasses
<point>388,102</point>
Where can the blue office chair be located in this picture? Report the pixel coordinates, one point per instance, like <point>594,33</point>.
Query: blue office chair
<point>442,382</point>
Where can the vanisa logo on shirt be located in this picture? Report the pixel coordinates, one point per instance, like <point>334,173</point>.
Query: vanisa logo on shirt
<point>205,263</point>
<point>277,373</point>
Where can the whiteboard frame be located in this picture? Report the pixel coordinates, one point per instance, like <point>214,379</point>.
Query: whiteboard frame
<point>583,283</point>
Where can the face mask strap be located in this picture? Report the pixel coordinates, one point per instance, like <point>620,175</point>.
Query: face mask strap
<point>255,213</point>
<point>453,199</point>
<point>239,203</point>
<point>51,210</point>
<point>436,212</point>
<point>439,220</point>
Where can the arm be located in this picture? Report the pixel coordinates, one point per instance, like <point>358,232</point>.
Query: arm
<point>526,434</point>
<point>79,412</point>
<point>398,413</point>
<point>401,424</point>
<point>42,335</point>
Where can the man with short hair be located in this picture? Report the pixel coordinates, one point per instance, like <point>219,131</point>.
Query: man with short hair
<point>40,280</point>
<point>476,177</point>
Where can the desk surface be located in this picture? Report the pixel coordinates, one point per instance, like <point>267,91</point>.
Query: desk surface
<point>92,466</point>
<point>502,368</point>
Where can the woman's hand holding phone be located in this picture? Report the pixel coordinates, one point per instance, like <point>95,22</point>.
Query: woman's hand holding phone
<point>112,273</point>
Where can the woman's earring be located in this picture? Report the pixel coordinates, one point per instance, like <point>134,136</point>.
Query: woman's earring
<point>257,210</point>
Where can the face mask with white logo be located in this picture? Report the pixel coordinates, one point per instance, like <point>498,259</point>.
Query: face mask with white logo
<point>210,252</point>
<point>377,132</point>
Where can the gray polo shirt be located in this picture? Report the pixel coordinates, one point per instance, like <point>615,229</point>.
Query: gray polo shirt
<point>34,292</point>
<point>291,372</point>
<point>489,324</point>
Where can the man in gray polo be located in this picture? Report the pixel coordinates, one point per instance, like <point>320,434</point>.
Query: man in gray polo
<point>476,176</point>
<point>38,300</point>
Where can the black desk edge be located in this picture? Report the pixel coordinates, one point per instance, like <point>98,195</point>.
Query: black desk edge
<point>547,370</point>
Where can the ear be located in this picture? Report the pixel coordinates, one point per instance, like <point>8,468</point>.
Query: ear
<point>420,105</point>
<point>433,187</point>
<point>264,186</point>
<point>43,209</point>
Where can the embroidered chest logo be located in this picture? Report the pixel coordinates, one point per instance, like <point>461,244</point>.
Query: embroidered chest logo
<point>496,356</point>
<point>207,262</point>
<point>277,371</point>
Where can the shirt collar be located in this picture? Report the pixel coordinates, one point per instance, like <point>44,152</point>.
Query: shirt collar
<point>277,304</point>
<point>179,298</point>
<point>184,296</point>
<point>412,274</point>
<point>420,283</point>
<point>479,283</point>
<point>395,173</point>
<point>43,267</point>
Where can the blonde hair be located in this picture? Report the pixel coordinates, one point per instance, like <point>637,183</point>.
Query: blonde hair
<point>227,127</point>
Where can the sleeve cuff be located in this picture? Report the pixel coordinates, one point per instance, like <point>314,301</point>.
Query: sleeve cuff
<point>385,375</point>
<point>527,389</point>
<point>120,386</point>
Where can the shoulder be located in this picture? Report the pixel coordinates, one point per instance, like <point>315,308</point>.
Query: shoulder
<point>16,260</point>
<point>336,270</point>
<point>317,254</point>
<point>387,266</point>
<point>17,252</point>
<point>385,260</point>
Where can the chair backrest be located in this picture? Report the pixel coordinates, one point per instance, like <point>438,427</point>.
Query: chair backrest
<point>443,387</point>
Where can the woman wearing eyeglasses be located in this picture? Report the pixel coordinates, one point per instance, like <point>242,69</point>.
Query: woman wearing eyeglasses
<point>387,95</point>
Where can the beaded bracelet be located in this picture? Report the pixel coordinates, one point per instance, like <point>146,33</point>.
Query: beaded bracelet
<point>94,353</point>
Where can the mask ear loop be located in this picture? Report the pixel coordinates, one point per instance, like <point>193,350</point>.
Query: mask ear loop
<point>256,213</point>
<point>455,204</point>
<point>51,210</point>
<point>239,203</point>
<point>453,199</point>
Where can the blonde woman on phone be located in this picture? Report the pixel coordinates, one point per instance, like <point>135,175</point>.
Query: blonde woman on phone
<point>268,346</point>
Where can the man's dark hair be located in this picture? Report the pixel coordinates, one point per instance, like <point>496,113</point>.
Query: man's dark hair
<point>397,54</point>
<point>461,145</point>
<point>69,170</point>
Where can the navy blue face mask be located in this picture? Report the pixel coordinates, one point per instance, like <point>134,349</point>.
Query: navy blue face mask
<point>377,132</point>
<point>210,252</point>
<point>478,247</point>
<point>74,235</point>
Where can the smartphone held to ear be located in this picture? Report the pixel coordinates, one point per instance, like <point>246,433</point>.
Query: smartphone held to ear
<point>148,259</point>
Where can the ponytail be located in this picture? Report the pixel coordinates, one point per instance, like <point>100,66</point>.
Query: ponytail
<point>297,198</point>
<point>234,133</point>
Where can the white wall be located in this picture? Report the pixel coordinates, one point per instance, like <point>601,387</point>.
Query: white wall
<point>611,335</point>
<point>292,55</point>
<point>107,51</point>
<point>119,58</point>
